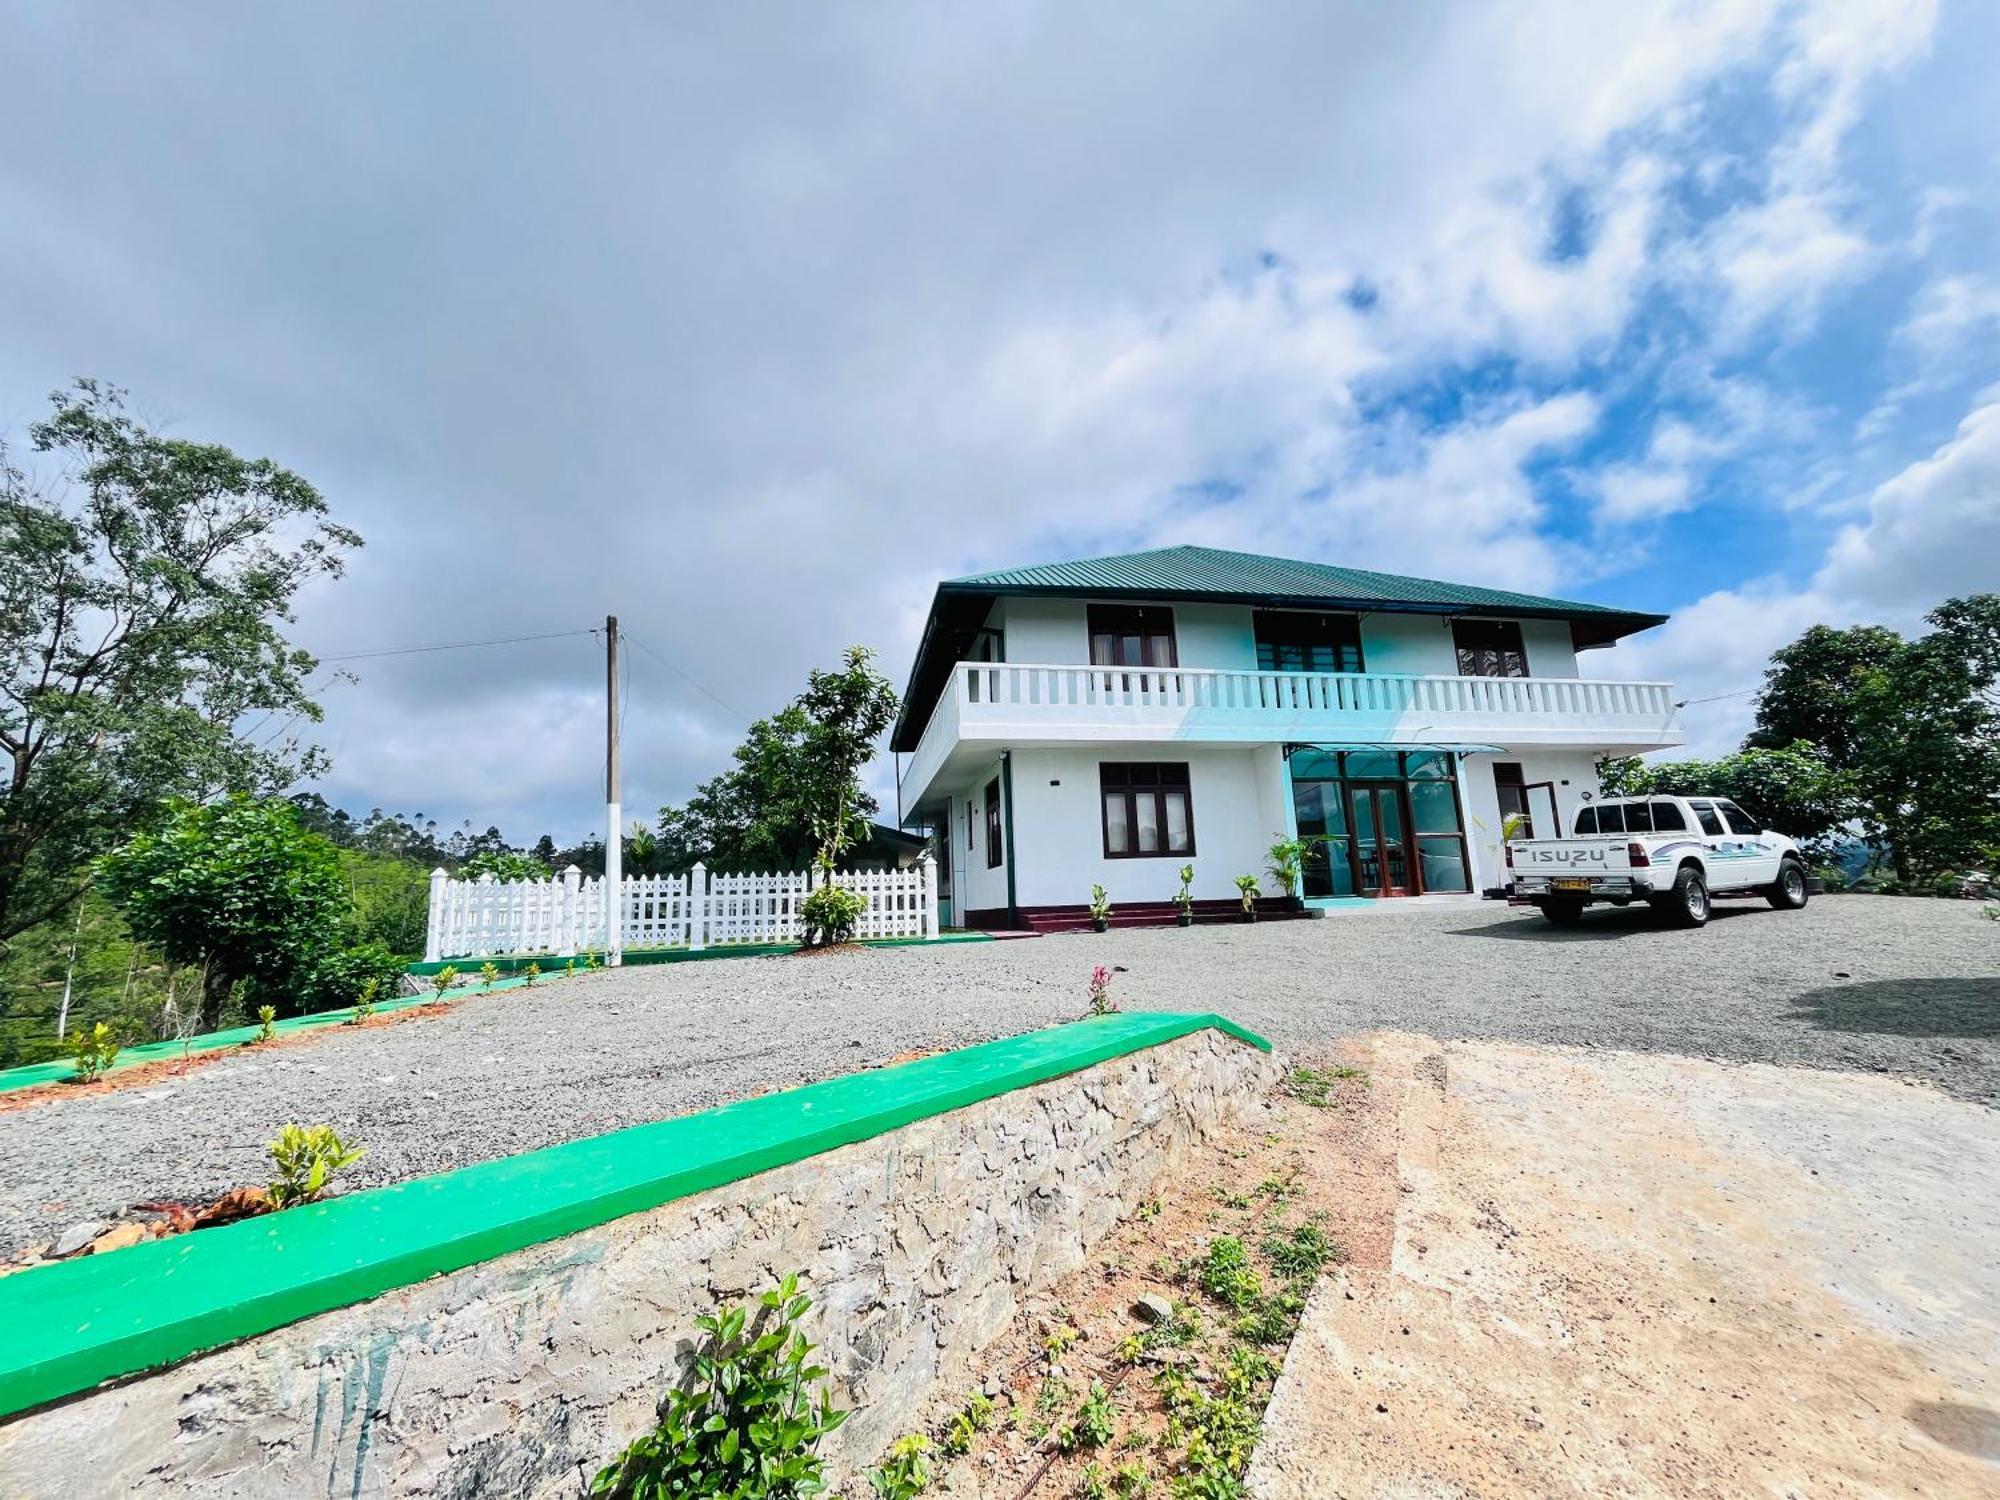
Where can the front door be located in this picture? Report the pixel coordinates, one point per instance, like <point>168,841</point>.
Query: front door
<point>1381,838</point>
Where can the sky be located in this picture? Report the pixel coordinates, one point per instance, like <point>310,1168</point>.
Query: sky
<point>748,324</point>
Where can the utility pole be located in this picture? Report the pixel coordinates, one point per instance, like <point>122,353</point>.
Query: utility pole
<point>614,827</point>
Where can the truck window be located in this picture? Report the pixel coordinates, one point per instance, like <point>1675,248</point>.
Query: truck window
<point>1705,815</point>
<point>1611,817</point>
<point>1739,820</point>
<point>1667,818</point>
<point>1638,817</point>
<point>1586,821</point>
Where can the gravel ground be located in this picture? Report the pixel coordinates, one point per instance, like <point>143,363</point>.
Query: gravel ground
<point>1908,987</point>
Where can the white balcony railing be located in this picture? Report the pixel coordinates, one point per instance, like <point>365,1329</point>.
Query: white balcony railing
<point>1022,701</point>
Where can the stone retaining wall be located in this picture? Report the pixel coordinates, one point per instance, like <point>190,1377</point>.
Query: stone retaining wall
<point>512,1377</point>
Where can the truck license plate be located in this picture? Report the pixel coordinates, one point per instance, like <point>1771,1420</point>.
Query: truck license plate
<point>1569,885</point>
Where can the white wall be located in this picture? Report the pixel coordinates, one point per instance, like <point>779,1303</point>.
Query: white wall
<point>1550,647</point>
<point>1576,768</point>
<point>1237,795</point>
<point>1418,644</point>
<point>985,888</point>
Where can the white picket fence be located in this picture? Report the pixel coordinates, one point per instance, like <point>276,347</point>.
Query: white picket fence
<point>566,915</point>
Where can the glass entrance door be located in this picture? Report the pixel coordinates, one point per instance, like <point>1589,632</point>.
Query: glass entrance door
<point>1381,842</point>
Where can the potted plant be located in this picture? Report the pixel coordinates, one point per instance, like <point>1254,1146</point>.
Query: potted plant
<point>1185,899</point>
<point>1284,859</point>
<point>1100,909</point>
<point>1247,885</point>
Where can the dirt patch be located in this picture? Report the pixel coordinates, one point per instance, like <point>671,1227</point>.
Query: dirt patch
<point>1616,1274</point>
<point>1089,1393</point>
<point>142,1075</point>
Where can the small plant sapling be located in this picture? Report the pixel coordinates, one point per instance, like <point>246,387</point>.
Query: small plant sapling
<point>1283,860</point>
<point>444,979</point>
<point>1100,908</point>
<point>1184,898</point>
<point>364,1004</point>
<point>1246,886</point>
<point>307,1159</point>
<point>832,914</point>
<point>92,1050</point>
<point>533,971</point>
<point>1101,1003</point>
<point>267,1022</point>
<point>908,1470</point>
<point>489,973</point>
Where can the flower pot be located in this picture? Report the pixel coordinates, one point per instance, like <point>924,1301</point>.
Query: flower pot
<point>1100,924</point>
<point>1249,913</point>
<point>1185,919</point>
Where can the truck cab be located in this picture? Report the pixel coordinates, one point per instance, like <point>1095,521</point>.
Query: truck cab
<point>1674,853</point>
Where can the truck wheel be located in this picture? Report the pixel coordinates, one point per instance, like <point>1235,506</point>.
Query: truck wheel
<point>1788,892</point>
<point>1687,904</point>
<point>1563,913</point>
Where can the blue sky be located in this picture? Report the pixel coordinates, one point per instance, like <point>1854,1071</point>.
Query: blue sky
<point>749,326</point>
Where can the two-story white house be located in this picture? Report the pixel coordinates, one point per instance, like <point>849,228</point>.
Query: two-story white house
<point>1107,721</point>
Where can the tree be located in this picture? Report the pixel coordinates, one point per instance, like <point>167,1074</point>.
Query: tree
<point>1913,724</point>
<point>794,796</point>
<point>1795,789</point>
<point>239,890</point>
<point>141,654</point>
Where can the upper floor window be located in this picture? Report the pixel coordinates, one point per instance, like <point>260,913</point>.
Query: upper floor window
<point>1132,635</point>
<point>1294,641</point>
<point>1489,648</point>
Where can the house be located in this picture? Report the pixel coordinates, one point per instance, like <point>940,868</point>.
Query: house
<point>1107,721</point>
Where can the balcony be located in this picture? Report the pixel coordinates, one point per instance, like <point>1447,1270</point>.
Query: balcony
<point>986,705</point>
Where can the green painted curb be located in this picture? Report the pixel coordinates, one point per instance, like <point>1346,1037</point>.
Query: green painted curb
<point>78,1322</point>
<point>634,957</point>
<point>60,1069</point>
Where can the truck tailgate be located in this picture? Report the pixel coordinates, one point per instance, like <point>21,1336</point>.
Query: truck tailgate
<point>1586,856</point>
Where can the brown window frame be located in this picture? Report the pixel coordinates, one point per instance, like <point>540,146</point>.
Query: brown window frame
<point>995,853</point>
<point>1151,623</point>
<point>1491,658</point>
<point>1116,776</point>
<point>1303,631</point>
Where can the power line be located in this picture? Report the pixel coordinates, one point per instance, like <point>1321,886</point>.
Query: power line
<point>691,682</point>
<point>505,640</point>
<point>1719,697</point>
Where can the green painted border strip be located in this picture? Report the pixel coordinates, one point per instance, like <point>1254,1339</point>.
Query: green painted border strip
<point>638,956</point>
<point>60,1069</point>
<point>76,1323</point>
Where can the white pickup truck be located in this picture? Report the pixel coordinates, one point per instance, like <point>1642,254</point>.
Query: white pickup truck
<point>1673,852</point>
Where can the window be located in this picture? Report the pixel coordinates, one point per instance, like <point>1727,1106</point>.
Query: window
<point>1147,810</point>
<point>994,853</point>
<point>1667,818</point>
<point>1739,820</point>
<point>1289,641</point>
<point>968,825</point>
<point>1370,817</point>
<point>1705,814</point>
<point>1489,648</point>
<point>1123,635</point>
<point>1586,821</point>
<point>1638,817</point>
<point>1610,817</point>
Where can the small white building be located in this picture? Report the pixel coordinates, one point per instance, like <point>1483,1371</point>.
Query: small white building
<point>1107,721</point>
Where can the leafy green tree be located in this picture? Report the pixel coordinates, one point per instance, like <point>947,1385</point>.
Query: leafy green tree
<point>503,864</point>
<point>142,598</point>
<point>1795,789</point>
<point>238,890</point>
<point>1913,724</point>
<point>794,796</point>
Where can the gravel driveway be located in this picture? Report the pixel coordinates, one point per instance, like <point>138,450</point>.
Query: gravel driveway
<point>1908,987</point>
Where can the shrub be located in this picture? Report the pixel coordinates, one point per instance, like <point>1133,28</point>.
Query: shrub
<point>1100,991</point>
<point>745,1423</point>
<point>1283,860</point>
<point>1831,878</point>
<point>533,971</point>
<point>831,913</point>
<point>308,1158</point>
<point>908,1471</point>
<point>93,1051</point>
<point>489,973</point>
<point>1949,884</point>
<point>267,1023</point>
<point>444,979</point>
<point>341,977</point>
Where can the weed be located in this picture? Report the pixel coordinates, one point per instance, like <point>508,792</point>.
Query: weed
<point>747,1423</point>
<point>1271,1319</point>
<point>1060,1339</point>
<point>92,1050</point>
<point>965,1424</point>
<point>307,1158</point>
<point>1225,1273</point>
<point>267,1022</point>
<point>1231,1200</point>
<point>1094,1424</point>
<point>1150,1209</point>
<point>907,1473</point>
<point>1314,1086</point>
<point>1129,1481</point>
<point>1303,1253</point>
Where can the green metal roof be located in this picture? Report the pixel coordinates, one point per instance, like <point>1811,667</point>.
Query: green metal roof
<point>1212,572</point>
<point>1215,575</point>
